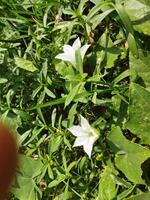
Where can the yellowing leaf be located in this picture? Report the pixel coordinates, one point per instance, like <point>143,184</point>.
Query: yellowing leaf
<point>25,64</point>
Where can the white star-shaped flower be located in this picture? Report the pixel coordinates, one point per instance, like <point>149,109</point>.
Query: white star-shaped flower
<point>86,135</point>
<point>69,52</point>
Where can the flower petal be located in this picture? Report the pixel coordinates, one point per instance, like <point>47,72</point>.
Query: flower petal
<point>79,141</point>
<point>83,50</point>
<point>85,125</point>
<point>77,44</point>
<point>66,57</point>
<point>88,146</point>
<point>68,49</point>
<point>77,131</point>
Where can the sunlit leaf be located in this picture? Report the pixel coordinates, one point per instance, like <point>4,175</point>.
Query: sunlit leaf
<point>142,196</point>
<point>142,68</point>
<point>139,13</point>
<point>25,64</point>
<point>107,186</point>
<point>139,112</point>
<point>129,156</point>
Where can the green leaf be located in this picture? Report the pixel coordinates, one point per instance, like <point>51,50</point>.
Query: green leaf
<point>124,17</point>
<point>139,13</point>
<point>132,45</point>
<point>59,179</point>
<point>129,156</point>
<point>26,190</point>
<point>141,66</point>
<point>9,97</point>
<point>123,75</point>
<point>29,169</point>
<point>139,112</point>
<point>99,5</point>
<point>54,144</point>
<point>36,131</point>
<point>25,64</point>
<point>71,165</point>
<point>143,196</point>
<point>125,193</point>
<point>107,186</point>
<point>67,194</point>
<point>79,64</point>
<point>22,114</point>
<point>146,2</point>
<point>49,93</point>
<point>71,115</point>
<point>3,80</point>
<point>64,69</point>
<point>97,19</point>
<point>95,1</point>
<point>13,19</point>
<point>48,104</point>
<point>53,117</point>
<point>72,94</point>
<point>23,137</point>
<point>84,94</point>
<point>112,53</point>
<point>81,6</point>
<point>128,25</point>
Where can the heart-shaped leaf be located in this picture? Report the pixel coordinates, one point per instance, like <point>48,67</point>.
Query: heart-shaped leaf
<point>129,156</point>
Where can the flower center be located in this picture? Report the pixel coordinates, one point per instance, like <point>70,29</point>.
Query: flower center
<point>90,134</point>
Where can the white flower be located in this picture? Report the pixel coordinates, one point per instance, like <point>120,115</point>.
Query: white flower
<point>69,51</point>
<point>86,135</point>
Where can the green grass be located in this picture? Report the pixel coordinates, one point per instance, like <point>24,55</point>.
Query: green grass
<point>41,96</point>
